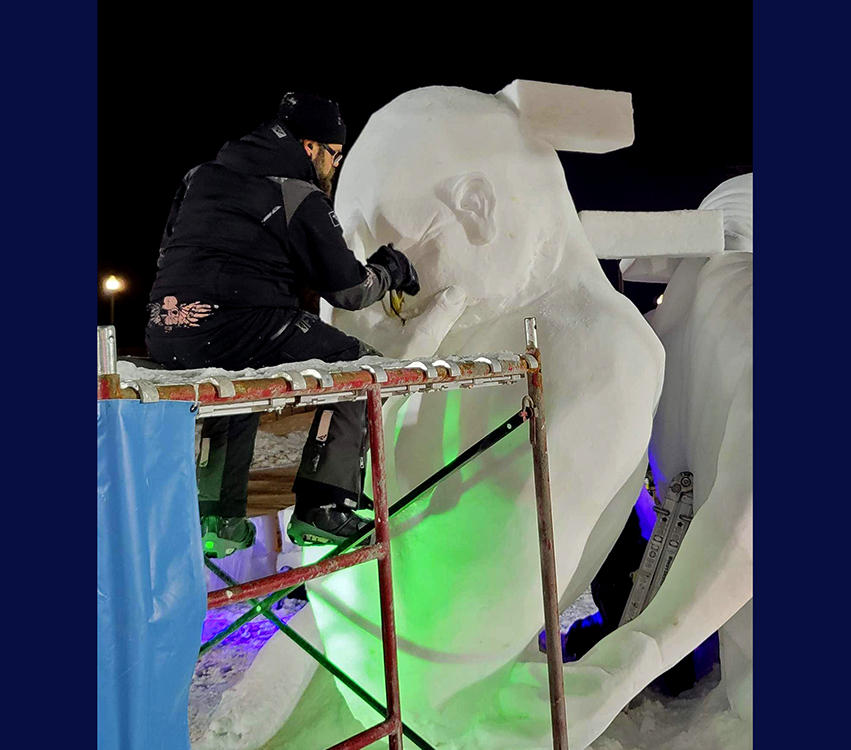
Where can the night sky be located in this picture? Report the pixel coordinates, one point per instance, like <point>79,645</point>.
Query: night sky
<point>167,104</point>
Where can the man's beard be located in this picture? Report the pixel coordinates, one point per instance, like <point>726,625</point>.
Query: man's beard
<point>325,181</point>
<point>326,184</point>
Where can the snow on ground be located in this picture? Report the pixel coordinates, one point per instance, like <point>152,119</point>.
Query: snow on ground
<point>699,719</point>
<point>270,451</point>
<point>273,451</point>
<point>224,666</point>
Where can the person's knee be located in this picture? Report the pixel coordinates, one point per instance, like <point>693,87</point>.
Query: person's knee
<point>365,350</point>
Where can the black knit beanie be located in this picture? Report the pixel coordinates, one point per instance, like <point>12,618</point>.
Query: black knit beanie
<point>313,118</point>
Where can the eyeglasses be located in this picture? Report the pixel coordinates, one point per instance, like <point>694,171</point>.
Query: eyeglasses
<point>337,156</point>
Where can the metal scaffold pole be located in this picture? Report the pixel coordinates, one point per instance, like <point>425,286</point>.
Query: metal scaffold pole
<point>540,459</point>
<point>308,385</point>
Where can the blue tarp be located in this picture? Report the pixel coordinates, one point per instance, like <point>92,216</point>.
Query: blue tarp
<point>151,586</point>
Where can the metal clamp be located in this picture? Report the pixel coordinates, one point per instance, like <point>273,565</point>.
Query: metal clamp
<point>494,363</point>
<point>148,393</point>
<point>379,374</point>
<point>450,364</point>
<point>323,376</point>
<point>296,379</point>
<point>224,386</point>
<point>531,362</point>
<point>279,403</point>
<point>425,365</point>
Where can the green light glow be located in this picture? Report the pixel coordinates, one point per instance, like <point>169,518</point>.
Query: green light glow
<point>451,433</point>
<point>452,551</point>
<point>400,420</point>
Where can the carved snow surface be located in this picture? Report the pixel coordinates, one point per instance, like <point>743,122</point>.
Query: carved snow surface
<point>705,425</point>
<point>465,558</point>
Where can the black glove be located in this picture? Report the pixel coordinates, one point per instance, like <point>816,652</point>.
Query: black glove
<point>403,275</point>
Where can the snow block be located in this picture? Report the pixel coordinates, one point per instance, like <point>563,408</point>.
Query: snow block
<point>650,270</point>
<point>735,198</point>
<point>646,234</point>
<point>151,592</point>
<point>573,118</point>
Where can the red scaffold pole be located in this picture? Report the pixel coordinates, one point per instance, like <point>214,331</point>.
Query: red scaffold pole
<point>368,736</point>
<point>385,577</point>
<point>294,577</point>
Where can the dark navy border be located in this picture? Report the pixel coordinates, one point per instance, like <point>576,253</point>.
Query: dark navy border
<point>49,62</point>
<point>49,57</point>
<point>802,376</point>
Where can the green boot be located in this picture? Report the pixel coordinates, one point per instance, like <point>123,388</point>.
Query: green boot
<point>224,536</point>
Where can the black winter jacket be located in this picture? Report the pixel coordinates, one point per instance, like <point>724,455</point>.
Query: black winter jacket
<point>251,228</point>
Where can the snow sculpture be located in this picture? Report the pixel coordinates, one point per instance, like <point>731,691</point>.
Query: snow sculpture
<point>704,425</point>
<point>465,183</point>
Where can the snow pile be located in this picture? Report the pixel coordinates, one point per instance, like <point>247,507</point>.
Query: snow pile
<point>273,451</point>
<point>699,719</point>
<point>224,666</point>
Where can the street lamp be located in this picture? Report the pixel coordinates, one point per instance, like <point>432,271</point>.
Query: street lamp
<point>112,286</point>
<point>660,298</point>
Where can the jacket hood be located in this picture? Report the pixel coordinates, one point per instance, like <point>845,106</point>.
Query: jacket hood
<point>269,151</point>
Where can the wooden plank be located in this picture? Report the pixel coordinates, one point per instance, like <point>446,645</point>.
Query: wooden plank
<point>294,420</point>
<point>270,490</point>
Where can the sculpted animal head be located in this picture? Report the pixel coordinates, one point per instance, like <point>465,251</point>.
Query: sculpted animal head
<point>469,185</point>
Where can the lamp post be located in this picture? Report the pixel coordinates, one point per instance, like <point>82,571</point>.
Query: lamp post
<point>112,286</point>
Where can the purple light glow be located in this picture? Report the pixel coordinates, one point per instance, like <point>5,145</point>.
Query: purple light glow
<point>254,634</point>
<point>646,514</point>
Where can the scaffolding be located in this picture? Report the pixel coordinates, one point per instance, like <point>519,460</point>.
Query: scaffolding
<point>221,395</point>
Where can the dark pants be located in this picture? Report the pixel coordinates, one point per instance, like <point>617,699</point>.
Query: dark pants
<point>332,468</point>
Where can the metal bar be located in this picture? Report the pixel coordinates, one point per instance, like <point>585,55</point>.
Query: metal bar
<point>305,645</point>
<point>109,385</point>
<point>320,399</point>
<point>107,351</point>
<point>488,441</point>
<point>538,437</point>
<point>265,389</point>
<point>368,736</point>
<point>385,573</point>
<point>291,578</point>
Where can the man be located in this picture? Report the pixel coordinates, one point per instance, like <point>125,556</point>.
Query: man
<point>246,233</point>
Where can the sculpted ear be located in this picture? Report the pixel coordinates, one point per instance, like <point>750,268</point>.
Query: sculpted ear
<point>473,200</point>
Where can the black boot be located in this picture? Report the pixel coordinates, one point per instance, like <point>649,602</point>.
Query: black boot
<point>326,524</point>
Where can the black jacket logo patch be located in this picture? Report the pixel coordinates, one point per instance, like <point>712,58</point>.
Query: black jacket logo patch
<point>334,220</point>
